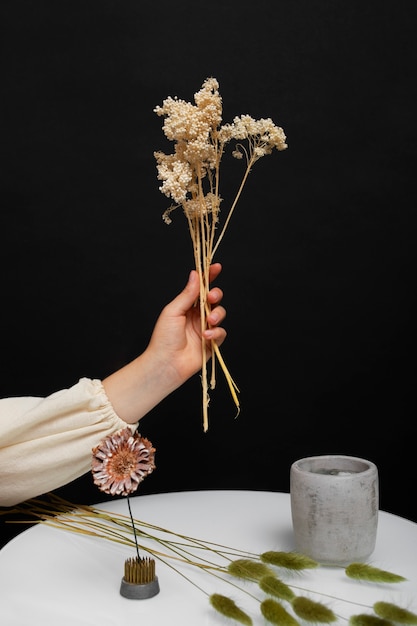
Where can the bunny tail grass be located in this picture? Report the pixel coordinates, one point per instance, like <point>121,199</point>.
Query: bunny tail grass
<point>246,568</point>
<point>275,613</point>
<point>275,587</point>
<point>394,613</point>
<point>288,560</point>
<point>362,571</point>
<point>363,619</point>
<point>311,611</point>
<point>226,606</point>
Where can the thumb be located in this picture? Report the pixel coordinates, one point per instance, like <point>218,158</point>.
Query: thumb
<point>185,300</point>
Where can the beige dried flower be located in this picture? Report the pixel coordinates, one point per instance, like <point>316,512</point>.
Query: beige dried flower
<point>190,177</point>
<point>121,462</point>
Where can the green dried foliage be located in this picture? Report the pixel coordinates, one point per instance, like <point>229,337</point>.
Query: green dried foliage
<point>275,613</point>
<point>288,560</point>
<point>251,570</point>
<point>227,607</point>
<point>275,587</point>
<point>362,571</point>
<point>363,619</point>
<point>394,613</point>
<point>311,611</point>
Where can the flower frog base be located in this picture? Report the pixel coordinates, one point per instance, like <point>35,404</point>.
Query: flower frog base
<point>139,581</point>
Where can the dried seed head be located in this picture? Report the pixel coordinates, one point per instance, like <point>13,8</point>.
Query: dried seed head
<point>226,606</point>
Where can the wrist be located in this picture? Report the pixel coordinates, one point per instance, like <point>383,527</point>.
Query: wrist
<point>139,386</point>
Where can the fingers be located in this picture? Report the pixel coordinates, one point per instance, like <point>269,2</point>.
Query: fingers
<point>216,316</point>
<point>215,295</point>
<point>214,271</point>
<point>215,333</point>
<point>188,296</point>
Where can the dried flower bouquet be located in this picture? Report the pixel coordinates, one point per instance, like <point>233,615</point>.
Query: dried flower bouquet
<point>191,178</point>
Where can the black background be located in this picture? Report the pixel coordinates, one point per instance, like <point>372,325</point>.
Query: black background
<point>319,259</point>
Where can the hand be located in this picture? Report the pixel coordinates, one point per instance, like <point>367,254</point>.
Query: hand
<point>176,338</point>
<point>173,355</point>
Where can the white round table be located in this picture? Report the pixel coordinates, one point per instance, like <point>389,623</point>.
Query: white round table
<point>51,576</point>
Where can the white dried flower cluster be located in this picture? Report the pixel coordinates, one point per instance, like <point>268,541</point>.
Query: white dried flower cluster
<point>262,137</point>
<point>176,175</point>
<point>191,127</point>
<point>199,144</point>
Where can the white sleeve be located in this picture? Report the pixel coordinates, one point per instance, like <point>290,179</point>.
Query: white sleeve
<point>47,442</point>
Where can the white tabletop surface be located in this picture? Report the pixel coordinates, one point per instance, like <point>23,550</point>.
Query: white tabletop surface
<point>53,577</point>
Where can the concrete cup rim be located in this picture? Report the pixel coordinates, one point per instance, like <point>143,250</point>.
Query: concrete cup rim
<point>304,465</point>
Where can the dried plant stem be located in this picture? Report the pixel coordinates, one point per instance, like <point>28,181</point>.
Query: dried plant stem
<point>234,203</point>
<point>231,383</point>
<point>133,527</point>
<point>202,229</point>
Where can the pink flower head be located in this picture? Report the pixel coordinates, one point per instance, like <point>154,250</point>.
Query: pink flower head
<point>121,461</point>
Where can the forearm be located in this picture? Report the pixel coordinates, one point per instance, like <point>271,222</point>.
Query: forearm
<point>173,355</point>
<point>140,385</point>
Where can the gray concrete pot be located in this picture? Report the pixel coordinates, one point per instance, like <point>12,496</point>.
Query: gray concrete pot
<point>334,506</point>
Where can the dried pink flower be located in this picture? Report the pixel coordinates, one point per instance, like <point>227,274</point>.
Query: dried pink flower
<point>121,461</point>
